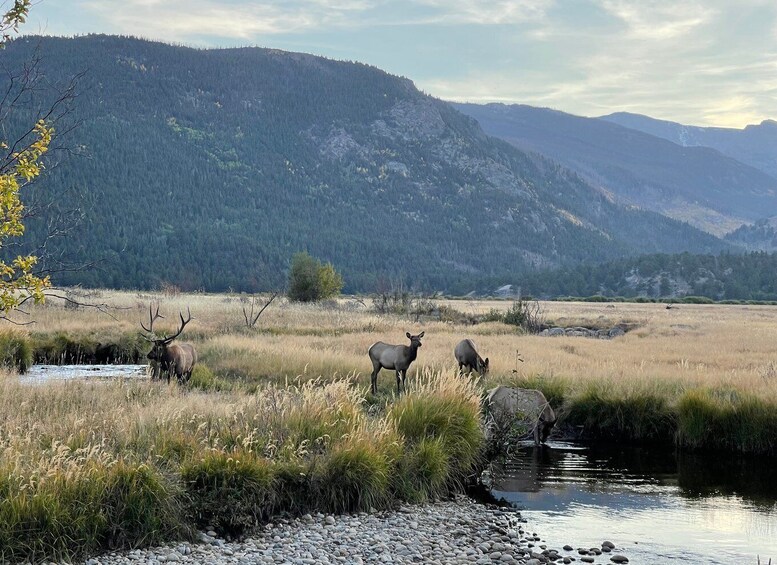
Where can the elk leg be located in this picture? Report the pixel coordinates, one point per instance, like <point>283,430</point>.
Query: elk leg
<point>398,379</point>
<point>374,379</point>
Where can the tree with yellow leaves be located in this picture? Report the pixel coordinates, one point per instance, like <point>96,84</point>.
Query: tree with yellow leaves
<point>20,165</point>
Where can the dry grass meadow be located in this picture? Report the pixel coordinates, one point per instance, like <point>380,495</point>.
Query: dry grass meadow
<point>721,346</point>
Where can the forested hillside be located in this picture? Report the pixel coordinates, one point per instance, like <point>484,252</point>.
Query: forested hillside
<point>749,276</point>
<point>209,169</point>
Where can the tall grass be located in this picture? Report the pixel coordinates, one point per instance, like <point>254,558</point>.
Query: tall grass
<point>727,420</point>
<point>444,408</point>
<point>16,351</point>
<point>88,467</point>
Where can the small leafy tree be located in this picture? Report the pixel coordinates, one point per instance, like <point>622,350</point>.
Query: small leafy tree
<point>19,165</point>
<point>310,280</point>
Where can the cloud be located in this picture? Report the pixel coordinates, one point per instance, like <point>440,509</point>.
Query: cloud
<point>702,62</point>
<point>660,20</point>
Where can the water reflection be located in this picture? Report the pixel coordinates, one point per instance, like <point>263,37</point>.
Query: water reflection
<point>661,506</point>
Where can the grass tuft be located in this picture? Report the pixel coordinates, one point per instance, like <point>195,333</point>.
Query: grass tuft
<point>231,492</point>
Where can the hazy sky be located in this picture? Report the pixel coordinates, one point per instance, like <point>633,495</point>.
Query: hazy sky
<point>710,62</point>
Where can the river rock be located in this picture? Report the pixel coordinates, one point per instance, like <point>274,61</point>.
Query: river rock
<point>619,559</point>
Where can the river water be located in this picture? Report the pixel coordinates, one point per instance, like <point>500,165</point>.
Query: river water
<point>39,374</point>
<point>656,506</point>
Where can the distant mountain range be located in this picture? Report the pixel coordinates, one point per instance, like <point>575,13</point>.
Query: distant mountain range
<point>209,169</point>
<point>755,145</point>
<point>697,175</point>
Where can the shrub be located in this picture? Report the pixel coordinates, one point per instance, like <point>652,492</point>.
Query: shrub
<point>310,280</point>
<point>525,314</point>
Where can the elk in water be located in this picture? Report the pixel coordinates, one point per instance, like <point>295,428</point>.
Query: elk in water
<point>396,357</point>
<point>467,356</point>
<point>171,358</point>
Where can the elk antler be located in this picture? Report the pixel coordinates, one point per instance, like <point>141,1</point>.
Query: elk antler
<point>151,319</point>
<point>183,325</point>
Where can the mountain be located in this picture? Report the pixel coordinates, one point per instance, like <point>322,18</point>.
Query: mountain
<point>760,236</point>
<point>748,276</point>
<point>755,145</point>
<point>699,185</point>
<point>209,169</point>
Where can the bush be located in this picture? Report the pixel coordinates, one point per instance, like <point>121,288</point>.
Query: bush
<point>311,281</point>
<point>15,351</point>
<point>524,314</point>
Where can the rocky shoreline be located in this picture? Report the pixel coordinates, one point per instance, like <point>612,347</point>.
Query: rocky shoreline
<point>451,532</point>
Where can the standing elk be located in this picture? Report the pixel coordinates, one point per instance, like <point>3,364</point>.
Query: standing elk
<point>178,358</point>
<point>396,357</point>
<point>467,356</point>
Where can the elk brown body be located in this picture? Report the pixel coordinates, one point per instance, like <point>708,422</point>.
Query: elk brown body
<point>467,356</point>
<point>168,357</point>
<point>396,357</point>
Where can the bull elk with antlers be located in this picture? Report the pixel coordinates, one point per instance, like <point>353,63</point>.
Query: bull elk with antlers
<point>178,358</point>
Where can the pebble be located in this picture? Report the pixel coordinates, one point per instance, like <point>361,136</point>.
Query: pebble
<point>458,531</point>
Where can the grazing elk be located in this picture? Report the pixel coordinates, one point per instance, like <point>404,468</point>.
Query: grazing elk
<point>396,357</point>
<point>467,356</point>
<point>177,358</point>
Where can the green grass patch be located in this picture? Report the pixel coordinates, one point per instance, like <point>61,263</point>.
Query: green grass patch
<point>232,492</point>
<point>353,476</point>
<point>16,351</point>
<point>604,413</point>
<point>722,420</point>
<point>69,349</point>
<point>70,515</point>
<point>451,420</point>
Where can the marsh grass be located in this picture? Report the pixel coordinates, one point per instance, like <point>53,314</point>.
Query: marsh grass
<point>232,492</point>
<point>637,415</point>
<point>727,420</point>
<point>16,351</point>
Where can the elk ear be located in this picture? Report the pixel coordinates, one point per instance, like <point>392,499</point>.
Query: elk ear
<point>421,334</point>
<point>408,335</point>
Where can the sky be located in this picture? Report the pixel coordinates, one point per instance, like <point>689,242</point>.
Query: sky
<point>707,63</point>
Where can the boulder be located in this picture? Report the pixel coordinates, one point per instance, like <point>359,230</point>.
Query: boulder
<point>512,412</point>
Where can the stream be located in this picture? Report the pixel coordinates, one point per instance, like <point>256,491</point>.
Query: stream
<point>40,374</point>
<point>656,506</point>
